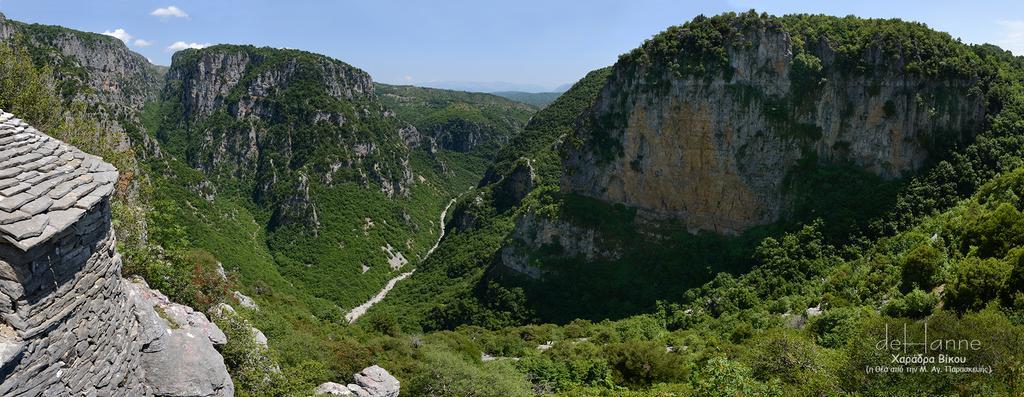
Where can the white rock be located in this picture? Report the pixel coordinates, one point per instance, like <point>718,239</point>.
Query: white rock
<point>260,338</point>
<point>246,301</point>
<point>332,389</point>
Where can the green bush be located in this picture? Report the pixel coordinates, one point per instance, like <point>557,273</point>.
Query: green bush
<point>915,304</point>
<point>921,268</point>
<point>443,373</point>
<point>721,377</point>
<point>641,364</point>
<point>975,282</point>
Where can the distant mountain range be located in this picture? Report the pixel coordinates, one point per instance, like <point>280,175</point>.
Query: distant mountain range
<point>492,86</point>
<point>538,99</point>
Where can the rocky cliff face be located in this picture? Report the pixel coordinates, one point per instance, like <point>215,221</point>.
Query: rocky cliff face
<point>280,121</point>
<point>714,149</point>
<point>464,122</point>
<point>69,324</point>
<point>96,69</point>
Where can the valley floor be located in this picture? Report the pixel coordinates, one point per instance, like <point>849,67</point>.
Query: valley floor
<point>360,310</point>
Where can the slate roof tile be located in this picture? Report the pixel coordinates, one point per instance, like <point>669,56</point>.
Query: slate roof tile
<point>45,185</point>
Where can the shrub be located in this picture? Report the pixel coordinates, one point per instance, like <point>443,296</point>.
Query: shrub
<point>921,268</point>
<point>835,326</point>
<point>721,377</point>
<point>445,373</point>
<point>639,364</point>
<point>915,304</point>
<point>975,282</point>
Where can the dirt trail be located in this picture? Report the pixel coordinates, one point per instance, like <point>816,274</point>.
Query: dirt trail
<point>360,310</point>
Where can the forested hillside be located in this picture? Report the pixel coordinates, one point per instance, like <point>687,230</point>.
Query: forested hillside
<point>464,122</point>
<point>538,99</point>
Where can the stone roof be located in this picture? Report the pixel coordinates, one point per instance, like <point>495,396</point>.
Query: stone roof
<point>45,185</point>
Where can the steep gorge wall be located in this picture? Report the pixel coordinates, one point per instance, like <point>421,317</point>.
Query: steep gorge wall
<point>69,323</point>
<point>96,69</point>
<point>277,122</point>
<point>714,150</point>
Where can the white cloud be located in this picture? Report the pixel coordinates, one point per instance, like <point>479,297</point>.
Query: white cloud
<point>408,78</point>
<point>169,12</point>
<point>120,34</point>
<point>181,45</point>
<point>143,43</point>
<point>1013,36</point>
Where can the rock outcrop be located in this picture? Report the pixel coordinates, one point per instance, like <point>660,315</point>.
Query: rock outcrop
<point>534,233</point>
<point>233,124</point>
<point>713,149</point>
<point>372,381</point>
<point>98,70</point>
<point>69,323</point>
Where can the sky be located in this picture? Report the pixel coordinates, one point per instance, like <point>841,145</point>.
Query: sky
<point>532,45</point>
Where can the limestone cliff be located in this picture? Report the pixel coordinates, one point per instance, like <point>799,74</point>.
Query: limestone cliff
<point>99,70</point>
<point>707,135</point>
<point>465,122</point>
<point>69,324</point>
<point>278,121</point>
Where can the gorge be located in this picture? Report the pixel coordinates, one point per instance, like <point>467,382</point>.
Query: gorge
<point>741,205</point>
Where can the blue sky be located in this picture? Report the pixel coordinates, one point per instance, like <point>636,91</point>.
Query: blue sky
<point>540,43</point>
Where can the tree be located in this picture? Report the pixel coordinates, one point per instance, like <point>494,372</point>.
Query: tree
<point>921,267</point>
<point>977,281</point>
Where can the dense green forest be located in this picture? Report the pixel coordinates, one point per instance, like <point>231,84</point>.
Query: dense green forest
<point>538,99</point>
<point>465,122</point>
<point>794,308</point>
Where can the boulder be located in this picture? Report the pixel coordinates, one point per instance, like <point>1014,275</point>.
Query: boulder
<point>178,357</point>
<point>187,366</point>
<point>246,301</point>
<point>333,389</point>
<point>260,338</point>
<point>375,381</point>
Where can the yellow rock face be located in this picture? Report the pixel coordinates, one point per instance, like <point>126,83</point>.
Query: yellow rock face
<point>687,172</point>
<point>705,151</point>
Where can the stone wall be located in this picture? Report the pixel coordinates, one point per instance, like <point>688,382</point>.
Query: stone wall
<point>69,327</point>
<point>69,323</point>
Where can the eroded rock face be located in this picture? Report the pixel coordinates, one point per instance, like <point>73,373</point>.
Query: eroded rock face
<point>117,79</point>
<point>714,151</point>
<point>511,189</point>
<point>232,125</point>
<point>533,232</point>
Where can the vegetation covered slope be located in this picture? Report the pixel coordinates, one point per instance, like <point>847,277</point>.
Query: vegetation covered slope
<point>538,99</point>
<point>463,122</point>
<point>342,193</point>
<point>854,270</point>
<point>567,251</point>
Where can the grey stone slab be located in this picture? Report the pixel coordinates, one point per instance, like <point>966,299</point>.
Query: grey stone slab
<point>63,219</point>
<point>26,174</point>
<point>13,190</point>
<point>12,203</point>
<point>87,202</point>
<point>11,217</point>
<point>37,206</point>
<point>9,172</point>
<point>6,183</point>
<point>25,229</point>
